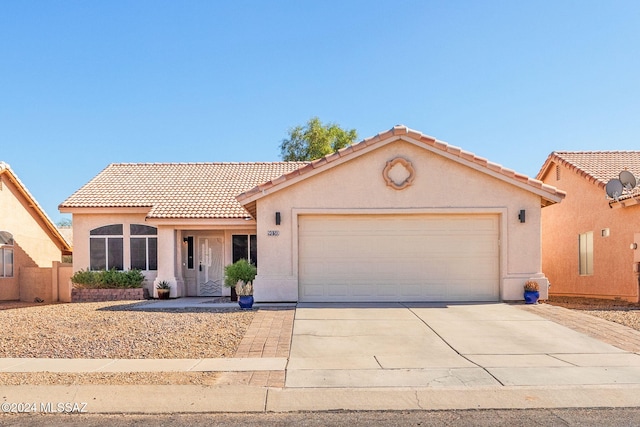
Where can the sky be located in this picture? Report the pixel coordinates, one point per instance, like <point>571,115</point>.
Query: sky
<point>87,83</point>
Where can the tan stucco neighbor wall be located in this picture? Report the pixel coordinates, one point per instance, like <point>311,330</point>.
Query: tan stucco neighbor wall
<point>585,209</point>
<point>441,185</point>
<point>34,246</point>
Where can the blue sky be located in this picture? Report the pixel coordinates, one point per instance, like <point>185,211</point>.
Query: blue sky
<point>87,83</point>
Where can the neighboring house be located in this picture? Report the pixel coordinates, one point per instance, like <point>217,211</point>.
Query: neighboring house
<point>28,239</point>
<point>396,217</point>
<point>587,238</point>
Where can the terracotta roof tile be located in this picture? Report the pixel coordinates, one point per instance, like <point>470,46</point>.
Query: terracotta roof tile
<point>597,167</point>
<point>177,190</point>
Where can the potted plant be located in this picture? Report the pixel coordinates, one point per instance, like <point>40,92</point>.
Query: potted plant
<point>531,292</point>
<point>164,289</point>
<point>240,276</point>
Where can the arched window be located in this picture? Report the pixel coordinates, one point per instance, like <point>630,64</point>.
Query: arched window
<point>144,247</point>
<point>105,247</point>
<point>6,254</point>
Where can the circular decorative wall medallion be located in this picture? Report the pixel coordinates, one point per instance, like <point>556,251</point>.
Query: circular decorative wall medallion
<point>398,173</point>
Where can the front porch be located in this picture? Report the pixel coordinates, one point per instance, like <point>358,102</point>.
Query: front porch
<point>193,260</point>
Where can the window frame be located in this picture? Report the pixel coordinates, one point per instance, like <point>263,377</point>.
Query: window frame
<point>251,251</point>
<point>147,234</point>
<point>6,250</point>
<point>107,234</point>
<point>585,254</point>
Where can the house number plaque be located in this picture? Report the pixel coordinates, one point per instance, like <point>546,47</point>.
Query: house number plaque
<point>273,233</point>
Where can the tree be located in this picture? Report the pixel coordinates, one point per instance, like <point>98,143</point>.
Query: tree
<point>64,222</point>
<point>315,140</point>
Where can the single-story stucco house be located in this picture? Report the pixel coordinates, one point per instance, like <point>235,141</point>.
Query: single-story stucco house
<point>399,216</point>
<point>29,243</point>
<point>591,243</point>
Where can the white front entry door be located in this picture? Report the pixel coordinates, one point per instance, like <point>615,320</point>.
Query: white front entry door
<point>351,258</point>
<point>210,269</point>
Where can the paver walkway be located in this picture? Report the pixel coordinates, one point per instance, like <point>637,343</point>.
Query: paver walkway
<point>269,335</point>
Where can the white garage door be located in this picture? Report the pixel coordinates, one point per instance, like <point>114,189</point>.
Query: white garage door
<point>357,258</point>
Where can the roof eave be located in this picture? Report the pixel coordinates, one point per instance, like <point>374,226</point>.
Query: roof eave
<point>64,246</point>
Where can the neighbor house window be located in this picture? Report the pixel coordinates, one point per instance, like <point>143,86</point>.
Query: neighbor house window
<point>105,248</point>
<point>6,254</point>
<point>585,245</point>
<point>144,247</point>
<point>245,247</point>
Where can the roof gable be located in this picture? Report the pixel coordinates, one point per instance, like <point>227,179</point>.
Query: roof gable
<point>548,194</point>
<point>13,179</point>
<point>596,167</point>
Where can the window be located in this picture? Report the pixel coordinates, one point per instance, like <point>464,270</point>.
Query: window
<point>105,248</point>
<point>6,254</point>
<point>585,248</point>
<point>245,246</point>
<point>144,247</point>
<point>189,241</point>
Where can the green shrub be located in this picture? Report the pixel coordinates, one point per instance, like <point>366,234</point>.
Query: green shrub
<point>239,270</point>
<point>107,279</point>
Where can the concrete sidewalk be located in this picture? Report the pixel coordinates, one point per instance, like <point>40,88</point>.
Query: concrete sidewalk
<point>377,357</point>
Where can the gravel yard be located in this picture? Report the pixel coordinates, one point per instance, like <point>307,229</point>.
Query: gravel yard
<point>112,330</point>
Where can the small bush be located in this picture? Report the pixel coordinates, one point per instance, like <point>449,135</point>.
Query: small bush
<point>239,270</point>
<point>107,279</point>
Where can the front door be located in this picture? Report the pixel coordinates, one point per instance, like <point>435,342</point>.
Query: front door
<point>210,269</point>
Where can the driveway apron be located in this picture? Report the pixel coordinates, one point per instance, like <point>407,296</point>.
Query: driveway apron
<point>445,346</point>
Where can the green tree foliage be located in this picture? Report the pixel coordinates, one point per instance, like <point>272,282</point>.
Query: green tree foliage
<point>315,140</point>
<point>64,222</point>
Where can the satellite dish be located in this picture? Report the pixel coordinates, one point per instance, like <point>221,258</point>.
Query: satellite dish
<point>614,188</point>
<point>628,180</point>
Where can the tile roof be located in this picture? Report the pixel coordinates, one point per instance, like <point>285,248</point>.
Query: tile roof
<point>177,190</point>
<point>403,132</point>
<point>64,244</point>
<point>597,167</point>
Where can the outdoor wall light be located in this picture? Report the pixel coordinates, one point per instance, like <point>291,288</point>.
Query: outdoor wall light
<point>278,219</point>
<point>521,215</point>
<point>633,246</point>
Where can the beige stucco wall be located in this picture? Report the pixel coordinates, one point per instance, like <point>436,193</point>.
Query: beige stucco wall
<point>84,223</point>
<point>357,186</point>
<point>585,209</point>
<point>34,246</point>
<point>171,258</point>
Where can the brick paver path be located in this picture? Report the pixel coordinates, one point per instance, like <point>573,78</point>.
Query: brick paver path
<point>269,335</point>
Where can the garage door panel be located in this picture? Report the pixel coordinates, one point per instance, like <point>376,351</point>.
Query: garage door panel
<point>399,258</point>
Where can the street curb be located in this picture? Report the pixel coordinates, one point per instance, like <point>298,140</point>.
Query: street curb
<point>149,399</point>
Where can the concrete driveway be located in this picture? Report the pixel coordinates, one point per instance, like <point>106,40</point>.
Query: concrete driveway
<point>447,346</point>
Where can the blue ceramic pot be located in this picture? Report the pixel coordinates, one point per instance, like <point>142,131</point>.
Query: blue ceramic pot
<point>245,301</point>
<point>531,297</point>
